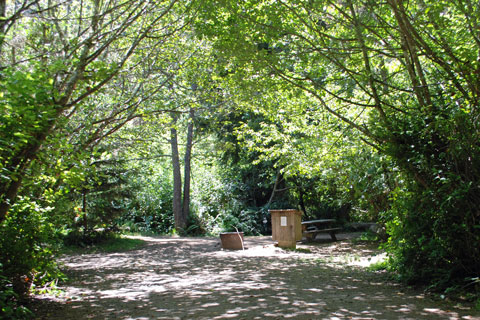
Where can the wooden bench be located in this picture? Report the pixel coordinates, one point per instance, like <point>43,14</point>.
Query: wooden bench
<point>310,229</point>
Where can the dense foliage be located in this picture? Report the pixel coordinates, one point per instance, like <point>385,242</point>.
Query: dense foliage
<point>405,77</point>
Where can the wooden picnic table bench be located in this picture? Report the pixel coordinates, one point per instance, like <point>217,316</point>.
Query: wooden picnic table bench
<point>311,228</point>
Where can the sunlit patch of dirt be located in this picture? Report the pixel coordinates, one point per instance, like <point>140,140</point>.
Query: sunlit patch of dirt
<point>193,278</point>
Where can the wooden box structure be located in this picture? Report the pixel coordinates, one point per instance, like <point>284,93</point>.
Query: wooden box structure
<point>286,227</point>
<point>232,240</point>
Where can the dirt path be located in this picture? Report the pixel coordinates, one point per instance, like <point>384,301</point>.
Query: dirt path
<point>192,278</point>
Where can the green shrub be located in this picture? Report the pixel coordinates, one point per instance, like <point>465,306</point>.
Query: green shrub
<point>248,221</point>
<point>81,238</point>
<point>27,243</point>
<point>149,209</point>
<point>431,242</point>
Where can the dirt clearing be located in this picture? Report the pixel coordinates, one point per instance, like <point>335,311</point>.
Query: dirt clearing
<point>193,278</point>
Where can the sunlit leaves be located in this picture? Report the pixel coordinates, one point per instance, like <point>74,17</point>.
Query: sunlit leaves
<point>401,75</point>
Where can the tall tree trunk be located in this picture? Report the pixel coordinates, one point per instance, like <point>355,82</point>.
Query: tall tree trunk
<point>84,211</point>
<point>180,222</point>
<point>187,169</point>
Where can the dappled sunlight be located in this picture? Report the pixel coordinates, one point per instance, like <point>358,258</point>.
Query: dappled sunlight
<point>193,278</point>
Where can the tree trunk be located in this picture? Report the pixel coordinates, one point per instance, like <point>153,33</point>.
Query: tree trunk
<point>275,186</point>
<point>187,169</point>
<point>84,211</point>
<point>180,222</point>
<point>301,203</point>
<point>3,6</point>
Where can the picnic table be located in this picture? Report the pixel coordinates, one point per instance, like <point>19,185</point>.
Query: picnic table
<point>311,228</point>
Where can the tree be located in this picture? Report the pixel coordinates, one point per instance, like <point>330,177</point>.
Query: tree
<point>188,164</point>
<point>189,91</point>
<point>181,201</point>
<point>64,86</point>
<point>63,64</point>
<point>178,213</point>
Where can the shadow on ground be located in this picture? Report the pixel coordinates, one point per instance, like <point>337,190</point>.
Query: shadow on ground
<point>192,278</point>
